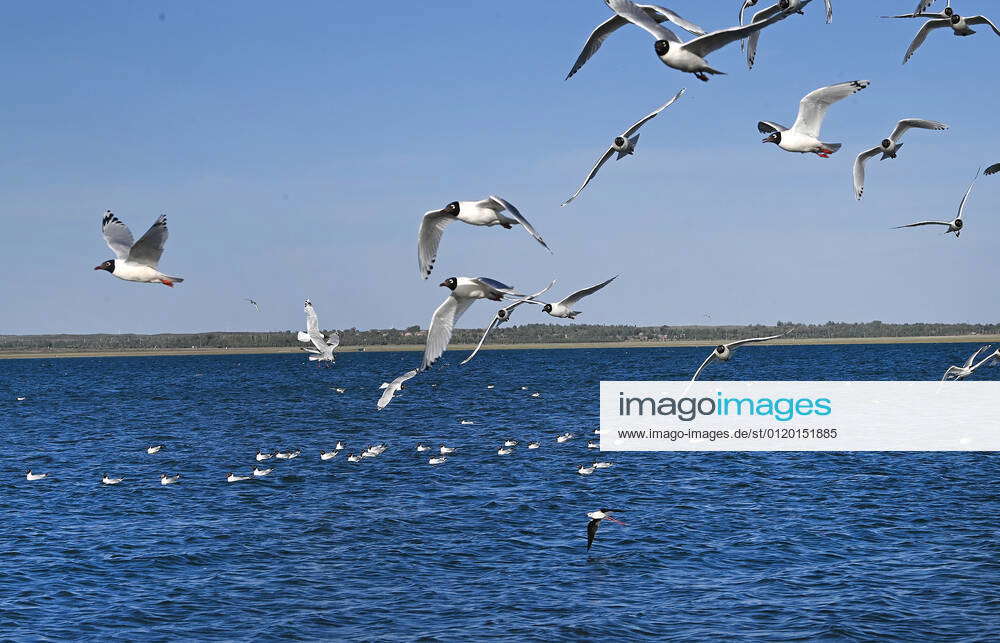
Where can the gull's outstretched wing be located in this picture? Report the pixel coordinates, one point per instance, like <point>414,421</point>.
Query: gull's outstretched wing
<point>704,45</point>
<point>431,228</point>
<point>393,387</point>
<point>441,328</point>
<point>920,223</point>
<point>631,12</point>
<point>580,294</point>
<point>593,172</point>
<point>149,248</point>
<point>813,106</point>
<point>505,205</point>
<point>754,38</point>
<point>635,128</point>
<point>859,170</point>
<point>708,359</point>
<point>768,127</point>
<point>907,123</point>
<point>922,35</point>
<point>961,206</point>
<point>754,340</point>
<point>982,20</point>
<point>972,358</point>
<point>116,235</point>
<point>504,315</point>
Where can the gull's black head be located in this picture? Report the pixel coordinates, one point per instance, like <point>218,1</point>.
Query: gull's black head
<point>720,349</point>
<point>619,141</point>
<point>502,313</point>
<point>452,208</point>
<point>958,223</point>
<point>948,11</point>
<point>955,18</point>
<point>108,265</point>
<point>661,47</point>
<point>451,283</point>
<point>886,143</point>
<point>547,308</point>
<point>784,4</point>
<point>775,138</point>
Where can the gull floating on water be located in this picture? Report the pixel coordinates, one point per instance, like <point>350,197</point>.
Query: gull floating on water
<point>437,460</point>
<point>445,449</point>
<point>888,148</point>
<point>534,445</point>
<point>724,352</point>
<point>154,449</point>
<point>261,456</point>
<point>107,479</point>
<point>288,455</point>
<point>328,455</point>
<point>353,458</point>
<point>35,476</point>
<point>624,144</point>
<point>585,470</point>
<point>504,451</point>
<point>165,479</point>
<point>803,136</point>
<point>510,443</point>
<point>422,447</point>
<point>593,445</point>
<point>603,465</point>
<point>260,473</point>
<point>232,477</point>
<point>136,260</point>
<point>959,26</point>
<point>955,225</point>
<point>564,437</point>
<point>595,521</point>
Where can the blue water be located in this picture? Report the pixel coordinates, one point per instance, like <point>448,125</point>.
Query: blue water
<point>783,546</point>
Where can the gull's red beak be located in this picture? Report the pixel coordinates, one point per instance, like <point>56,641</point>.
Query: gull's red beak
<point>97,267</point>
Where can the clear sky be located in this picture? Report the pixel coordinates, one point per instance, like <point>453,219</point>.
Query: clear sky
<point>295,148</point>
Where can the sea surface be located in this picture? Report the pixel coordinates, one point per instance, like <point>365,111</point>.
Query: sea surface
<point>752,546</point>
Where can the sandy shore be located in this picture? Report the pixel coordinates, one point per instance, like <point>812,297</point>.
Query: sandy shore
<point>983,339</point>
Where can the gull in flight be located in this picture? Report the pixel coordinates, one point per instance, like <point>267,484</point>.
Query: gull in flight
<point>564,309</point>
<point>922,13</point>
<point>616,22</point>
<point>956,224</point>
<point>786,7</point>
<point>487,212</point>
<point>503,316</point>
<point>888,148</point>
<point>624,144</point>
<point>993,169</point>
<point>394,387</point>
<point>136,261</point>
<point>595,521</point>
<point>959,26</point>
<point>324,344</point>
<point>955,373</point>
<point>253,303</point>
<point>803,137</point>
<point>688,56</point>
<point>724,352</point>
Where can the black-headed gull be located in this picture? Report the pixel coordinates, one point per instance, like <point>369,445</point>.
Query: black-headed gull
<point>107,479</point>
<point>564,309</point>
<point>959,26</point>
<point>687,56</point>
<point>803,136</point>
<point>585,470</point>
<point>165,479</point>
<point>136,260</point>
<point>787,7</point>
<point>955,225</point>
<point>394,387</point>
<point>616,22</point>
<point>888,148</point>
<point>724,352</point>
<point>437,460</point>
<point>624,144</point>
<point>502,316</point>
<point>232,477</point>
<point>260,473</point>
<point>35,476</point>
<point>955,373</point>
<point>323,344</point>
<point>596,517</point>
<point>487,212</point>
<point>261,456</point>
<point>252,303</point>
<point>921,11</point>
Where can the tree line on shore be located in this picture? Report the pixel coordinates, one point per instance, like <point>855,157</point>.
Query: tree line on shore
<point>525,334</point>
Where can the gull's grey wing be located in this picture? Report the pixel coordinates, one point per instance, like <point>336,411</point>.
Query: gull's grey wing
<point>333,339</point>
<point>498,286</point>
<point>704,45</point>
<point>974,356</point>
<point>755,340</point>
<point>920,223</point>
<point>769,127</point>
<point>746,5</point>
<point>953,372</point>
<point>708,359</point>
<point>116,235</point>
<point>431,228</point>
<point>920,123</point>
<point>393,387</point>
<point>754,38</point>
<point>829,11</point>
<point>993,169</point>
<point>924,4</point>
<point>580,294</point>
<point>504,205</point>
<point>631,12</point>
<point>493,324</point>
<point>813,106</point>
<point>149,248</point>
<point>593,172</point>
<point>961,206</point>
<point>922,35</point>
<point>859,170</point>
<point>982,20</point>
<point>635,128</point>
<point>441,328</point>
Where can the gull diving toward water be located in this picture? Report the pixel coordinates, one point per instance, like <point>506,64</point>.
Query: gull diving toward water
<point>956,224</point>
<point>595,521</point>
<point>107,479</point>
<point>323,344</point>
<point>487,212</point>
<point>787,7</point>
<point>252,303</point>
<point>136,261</point>
<point>503,316</point>
<point>34,476</point>
<point>564,308</point>
<point>959,26</point>
<point>624,144</point>
<point>955,373</point>
<point>724,352</point>
<point>803,137</point>
<point>687,56</point>
<point>616,22</point>
<point>888,148</point>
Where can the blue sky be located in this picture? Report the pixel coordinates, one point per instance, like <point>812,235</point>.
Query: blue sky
<point>295,149</point>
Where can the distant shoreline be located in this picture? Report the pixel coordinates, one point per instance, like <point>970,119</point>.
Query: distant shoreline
<point>278,350</point>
